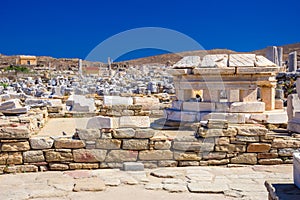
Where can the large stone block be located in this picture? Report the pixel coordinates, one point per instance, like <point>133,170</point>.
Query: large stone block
<point>258,147</point>
<point>187,146</point>
<point>293,105</point>
<point>121,156</point>
<point>134,122</point>
<point>14,158</point>
<point>103,122</point>
<point>89,155</point>
<point>68,144</point>
<point>251,131</point>
<point>277,118</point>
<point>184,116</point>
<point>247,107</point>
<point>117,100</point>
<point>88,134</point>
<point>156,155</point>
<point>187,156</point>
<point>21,132</point>
<point>144,133</point>
<point>33,156</point>
<point>59,155</point>
<point>80,103</point>
<point>234,118</point>
<point>245,158</point>
<point>199,106</point>
<point>15,146</point>
<point>124,133</point>
<point>108,144</point>
<point>135,144</point>
<point>296,169</point>
<point>41,143</point>
<point>148,103</point>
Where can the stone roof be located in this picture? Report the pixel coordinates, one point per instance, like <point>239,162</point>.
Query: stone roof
<point>224,61</point>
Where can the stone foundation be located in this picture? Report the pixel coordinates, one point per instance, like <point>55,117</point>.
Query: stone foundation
<point>211,144</point>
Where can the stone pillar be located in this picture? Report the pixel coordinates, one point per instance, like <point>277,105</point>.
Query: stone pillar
<point>184,95</point>
<point>272,54</point>
<point>268,97</point>
<point>211,95</point>
<point>248,95</point>
<point>292,61</point>
<point>233,95</point>
<point>280,55</point>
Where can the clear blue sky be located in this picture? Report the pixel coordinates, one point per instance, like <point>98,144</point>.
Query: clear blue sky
<point>73,28</point>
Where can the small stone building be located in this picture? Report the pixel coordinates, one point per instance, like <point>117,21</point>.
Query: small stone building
<point>26,60</point>
<point>226,84</point>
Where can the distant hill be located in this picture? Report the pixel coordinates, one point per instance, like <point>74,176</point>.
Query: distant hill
<point>172,58</point>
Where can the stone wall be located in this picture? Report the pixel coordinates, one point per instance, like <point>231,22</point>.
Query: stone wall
<point>110,148</point>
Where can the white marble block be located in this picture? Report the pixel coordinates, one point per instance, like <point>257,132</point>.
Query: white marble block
<point>296,167</point>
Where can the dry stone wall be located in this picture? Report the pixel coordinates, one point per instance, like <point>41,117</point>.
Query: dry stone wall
<point>212,144</point>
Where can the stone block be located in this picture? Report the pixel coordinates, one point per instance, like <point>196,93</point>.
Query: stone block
<point>33,156</point>
<point>134,122</point>
<point>144,133</point>
<point>14,158</point>
<point>188,163</point>
<point>245,158</point>
<point>234,118</point>
<point>148,103</point>
<point>214,156</point>
<point>135,144</point>
<point>273,161</point>
<point>99,122</point>
<point>84,165</point>
<point>286,143</point>
<point>108,144</point>
<point>193,156</point>
<point>15,146</point>
<point>162,145</point>
<point>167,163</point>
<point>88,134</point>
<point>214,162</point>
<point>251,130</point>
<point>198,106</point>
<point>258,147</point>
<point>267,155</point>
<point>133,166</point>
<point>177,105</point>
<point>124,133</point>
<point>117,100</point>
<point>217,124</point>
<point>182,116</point>
<point>68,144</point>
<point>288,152</point>
<point>296,169</point>
<point>230,148</point>
<point>294,125</point>
<point>21,169</point>
<point>278,104</point>
<point>58,167</point>
<point>21,132</point>
<point>247,107</point>
<point>121,156</point>
<point>241,138</point>
<point>187,146</point>
<point>41,143</point>
<point>293,105</point>
<point>58,155</point>
<point>80,103</point>
<point>89,155</point>
<point>156,155</point>
<point>277,118</point>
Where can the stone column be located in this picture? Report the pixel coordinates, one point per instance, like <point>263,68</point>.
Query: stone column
<point>292,61</point>
<point>267,94</point>
<point>280,55</point>
<point>248,95</point>
<point>233,95</point>
<point>184,95</point>
<point>211,95</point>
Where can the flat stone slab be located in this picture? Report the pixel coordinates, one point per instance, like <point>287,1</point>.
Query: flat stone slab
<point>89,184</point>
<point>282,190</point>
<point>204,187</point>
<point>164,173</point>
<point>133,166</point>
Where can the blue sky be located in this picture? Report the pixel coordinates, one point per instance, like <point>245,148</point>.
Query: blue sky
<point>73,28</point>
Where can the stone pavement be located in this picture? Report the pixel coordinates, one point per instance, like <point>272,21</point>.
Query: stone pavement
<point>213,182</point>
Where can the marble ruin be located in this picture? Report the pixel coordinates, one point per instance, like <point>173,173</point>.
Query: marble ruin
<point>217,109</point>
